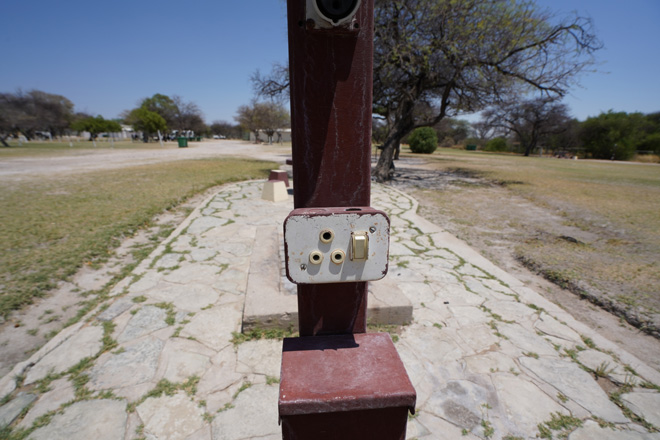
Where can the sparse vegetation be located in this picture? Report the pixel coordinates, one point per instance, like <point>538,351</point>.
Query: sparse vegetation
<point>42,234</point>
<point>587,226</point>
<point>257,333</point>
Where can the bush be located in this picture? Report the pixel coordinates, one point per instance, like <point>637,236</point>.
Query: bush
<point>423,140</point>
<point>497,144</point>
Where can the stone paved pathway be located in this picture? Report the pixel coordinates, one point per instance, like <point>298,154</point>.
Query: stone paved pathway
<point>489,357</point>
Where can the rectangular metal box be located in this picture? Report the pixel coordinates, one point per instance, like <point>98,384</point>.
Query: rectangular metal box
<point>336,245</point>
<point>345,387</point>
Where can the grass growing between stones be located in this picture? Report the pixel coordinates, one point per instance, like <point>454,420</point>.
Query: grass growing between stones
<point>561,424</point>
<point>590,226</point>
<point>258,333</point>
<point>54,226</point>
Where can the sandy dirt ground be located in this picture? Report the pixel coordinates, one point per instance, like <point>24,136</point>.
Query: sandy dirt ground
<point>80,161</point>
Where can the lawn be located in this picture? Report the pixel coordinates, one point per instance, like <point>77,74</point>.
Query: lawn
<point>51,226</point>
<point>590,226</point>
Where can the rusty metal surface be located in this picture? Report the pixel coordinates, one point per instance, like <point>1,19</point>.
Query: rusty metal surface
<point>326,309</point>
<point>377,424</point>
<point>331,107</point>
<point>331,74</point>
<point>334,374</point>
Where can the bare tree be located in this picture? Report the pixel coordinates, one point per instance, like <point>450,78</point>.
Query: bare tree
<point>269,117</point>
<point>33,111</point>
<point>274,85</point>
<point>531,120</point>
<point>440,58</point>
<point>187,116</point>
<point>435,59</point>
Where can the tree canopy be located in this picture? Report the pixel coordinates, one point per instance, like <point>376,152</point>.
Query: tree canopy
<point>173,114</point>
<point>530,120</point>
<point>146,121</point>
<point>617,135</point>
<point>96,125</point>
<point>440,58</point>
<point>269,117</point>
<point>33,111</point>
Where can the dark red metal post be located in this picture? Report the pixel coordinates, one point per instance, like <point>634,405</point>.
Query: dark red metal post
<point>337,382</point>
<point>331,73</point>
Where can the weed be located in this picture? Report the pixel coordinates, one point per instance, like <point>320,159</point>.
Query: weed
<point>139,299</point>
<point>558,422</point>
<point>243,387</point>
<point>436,325</point>
<point>272,380</point>
<point>531,354</point>
<point>588,342</point>
<point>257,333</point>
<point>108,342</point>
<point>603,370</point>
<point>488,428</point>
<point>603,423</point>
<point>170,318</point>
<point>226,407</point>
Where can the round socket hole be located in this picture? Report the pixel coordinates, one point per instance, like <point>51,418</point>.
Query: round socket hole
<point>326,236</point>
<point>338,256</point>
<point>315,257</point>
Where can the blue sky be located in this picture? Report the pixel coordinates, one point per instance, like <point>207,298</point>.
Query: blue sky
<point>106,56</point>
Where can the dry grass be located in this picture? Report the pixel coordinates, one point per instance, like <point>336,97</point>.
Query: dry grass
<point>590,226</point>
<point>54,225</point>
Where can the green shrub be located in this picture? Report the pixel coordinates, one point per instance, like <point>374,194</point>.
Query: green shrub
<point>497,144</point>
<point>423,140</point>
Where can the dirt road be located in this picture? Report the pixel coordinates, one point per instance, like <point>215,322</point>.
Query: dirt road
<point>76,161</point>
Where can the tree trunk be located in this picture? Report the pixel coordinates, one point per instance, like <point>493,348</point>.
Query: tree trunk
<point>383,170</point>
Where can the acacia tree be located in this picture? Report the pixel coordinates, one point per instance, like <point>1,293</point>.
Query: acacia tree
<point>29,112</point>
<point>96,125</point>
<point>163,105</point>
<point>269,117</point>
<point>176,114</point>
<point>615,135</point>
<point>146,121</point>
<point>531,120</point>
<point>187,116</point>
<point>439,58</point>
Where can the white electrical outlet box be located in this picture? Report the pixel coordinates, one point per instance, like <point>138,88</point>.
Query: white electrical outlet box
<point>336,245</point>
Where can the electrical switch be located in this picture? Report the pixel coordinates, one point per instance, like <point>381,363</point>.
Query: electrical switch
<point>336,245</point>
<point>359,246</point>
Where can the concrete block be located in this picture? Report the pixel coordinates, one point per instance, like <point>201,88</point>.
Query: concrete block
<point>275,191</point>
